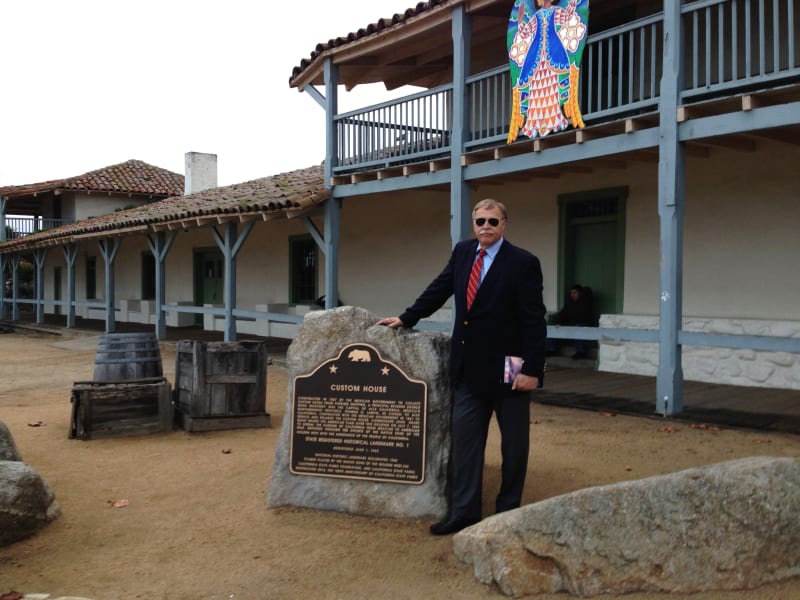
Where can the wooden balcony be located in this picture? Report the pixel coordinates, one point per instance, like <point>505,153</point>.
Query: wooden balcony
<point>17,227</point>
<point>732,48</point>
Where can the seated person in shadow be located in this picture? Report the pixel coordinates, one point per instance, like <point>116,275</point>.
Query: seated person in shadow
<point>578,311</point>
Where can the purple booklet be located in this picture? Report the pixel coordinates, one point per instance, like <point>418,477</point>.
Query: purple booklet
<point>513,365</point>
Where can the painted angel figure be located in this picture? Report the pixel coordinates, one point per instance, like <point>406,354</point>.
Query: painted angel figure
<point>545,47</point>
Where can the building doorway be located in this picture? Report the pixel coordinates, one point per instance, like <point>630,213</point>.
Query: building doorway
<point>592,246</point>
<point>302,270</point>
<point>209,279</point>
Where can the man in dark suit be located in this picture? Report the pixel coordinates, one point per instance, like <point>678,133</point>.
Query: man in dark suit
<point>504,317</point>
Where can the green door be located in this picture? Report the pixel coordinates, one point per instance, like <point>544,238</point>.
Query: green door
<point>594,263</point>
<point>209,279</point>
<point>592,244</point>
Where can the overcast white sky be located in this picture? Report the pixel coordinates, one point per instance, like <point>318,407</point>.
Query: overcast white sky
<point>85,84</point>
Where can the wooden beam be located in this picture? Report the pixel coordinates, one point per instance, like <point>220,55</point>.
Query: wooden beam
<point>476,157</point>
<point>750,102</point>
<point>362,177</point>
<point>414,169</point>
<point>638,124</point>
<point>388,173</point>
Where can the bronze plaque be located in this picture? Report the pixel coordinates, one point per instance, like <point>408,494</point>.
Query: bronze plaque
<point>358,416</point>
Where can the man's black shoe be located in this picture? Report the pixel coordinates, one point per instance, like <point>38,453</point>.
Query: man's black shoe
<point>451,524</point>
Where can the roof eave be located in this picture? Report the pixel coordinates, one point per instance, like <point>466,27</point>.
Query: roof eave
<point>409,28</point>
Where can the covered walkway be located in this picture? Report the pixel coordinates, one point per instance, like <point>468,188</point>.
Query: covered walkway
<point>567,383</point>
<point>703,403</point>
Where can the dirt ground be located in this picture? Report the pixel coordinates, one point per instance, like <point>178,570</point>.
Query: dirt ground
<point>196,525</point>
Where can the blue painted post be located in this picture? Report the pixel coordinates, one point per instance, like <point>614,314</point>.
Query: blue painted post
<point>460,200</point>
<point>108,249</point>
<point>671,192</point>
<point>39,256</point>
<point>333,206</point>
<point>230,246</point>
<point>3,236</point>
<point>231,232</point>
<point>70,253</point>
<point>3,263</point>
<point>15,260</point>
<point>160,246</point>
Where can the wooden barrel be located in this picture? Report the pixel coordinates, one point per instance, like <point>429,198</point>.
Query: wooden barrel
<point>126,356</point>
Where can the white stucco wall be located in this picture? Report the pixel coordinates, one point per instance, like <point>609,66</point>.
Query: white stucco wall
<point>388,255</point>
<point>81,206</point>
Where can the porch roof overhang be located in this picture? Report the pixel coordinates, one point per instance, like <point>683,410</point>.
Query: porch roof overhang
<point>412,48</point>
<point>416,47</point>
<point>286,195</point>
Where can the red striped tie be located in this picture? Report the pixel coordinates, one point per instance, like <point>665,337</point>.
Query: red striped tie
<point>475,278</point>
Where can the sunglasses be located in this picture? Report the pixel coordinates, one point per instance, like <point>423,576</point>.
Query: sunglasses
<point>492,221</point>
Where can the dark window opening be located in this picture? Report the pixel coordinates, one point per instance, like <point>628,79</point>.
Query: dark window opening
<point>303,271</point>
<point>91,277</point>
<point>148,276</point>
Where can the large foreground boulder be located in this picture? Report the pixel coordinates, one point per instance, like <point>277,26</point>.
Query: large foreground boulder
<point>26,501</point>
<point>728,526</point>
<point>8,449</point>
<point>421,356</point>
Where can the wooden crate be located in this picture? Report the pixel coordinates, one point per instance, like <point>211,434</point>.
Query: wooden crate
<point>221,385</point>
<point>136,407</point>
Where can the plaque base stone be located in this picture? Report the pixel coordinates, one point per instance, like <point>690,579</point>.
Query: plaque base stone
<point>421,355</point>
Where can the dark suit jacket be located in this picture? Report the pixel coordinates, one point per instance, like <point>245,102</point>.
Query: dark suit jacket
<point>506,317</point>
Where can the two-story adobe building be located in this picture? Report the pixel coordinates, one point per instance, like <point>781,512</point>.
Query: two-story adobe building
<point>676,202</point>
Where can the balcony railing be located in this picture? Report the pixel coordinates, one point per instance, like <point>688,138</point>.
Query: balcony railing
<point>735,44</point>
<point>397,132</point>
<point>16,227</point>
<point>730,46</point>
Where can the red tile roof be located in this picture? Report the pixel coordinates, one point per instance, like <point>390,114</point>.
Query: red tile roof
<point>285,194</point>
<point>129,177</point>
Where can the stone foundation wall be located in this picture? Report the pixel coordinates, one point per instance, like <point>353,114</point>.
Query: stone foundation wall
<point>704,363</point>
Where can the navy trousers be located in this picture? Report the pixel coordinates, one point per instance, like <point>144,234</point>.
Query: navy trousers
<point>471,417</point>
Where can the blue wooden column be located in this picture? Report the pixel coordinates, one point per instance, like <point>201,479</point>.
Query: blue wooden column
<point>108,250</point>
<point>333,207</point>
<point>159,246</point>
<point>39,256</point>
<point>70,253</point>
<point>229,244</point>
<point>3,263</point>
<point>460,198</point>
<point>671,201</point>
<point>15,260</point>
<point>3,236</point>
